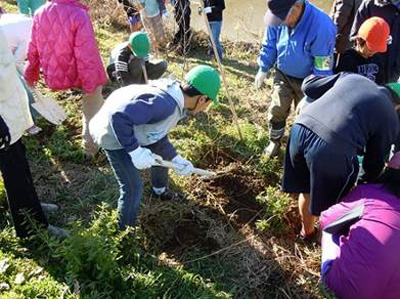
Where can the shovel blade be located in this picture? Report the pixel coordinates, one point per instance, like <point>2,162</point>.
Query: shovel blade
<point>49,109</point>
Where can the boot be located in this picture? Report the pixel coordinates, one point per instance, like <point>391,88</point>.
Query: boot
<point>272,150</point>
<point>57,232</point>
<point>49,207</point>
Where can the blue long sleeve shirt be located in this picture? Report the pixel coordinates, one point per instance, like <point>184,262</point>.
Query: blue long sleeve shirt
<point>303,50</point>
<point>140,115</point>
<point>147,109</point>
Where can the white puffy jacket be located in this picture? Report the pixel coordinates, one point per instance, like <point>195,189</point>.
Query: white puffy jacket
<point>17,29</point>
<point>14,107</point>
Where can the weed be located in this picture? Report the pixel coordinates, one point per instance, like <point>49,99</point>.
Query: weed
<point>275,206</point>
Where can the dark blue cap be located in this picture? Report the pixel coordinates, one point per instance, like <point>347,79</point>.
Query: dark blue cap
<point>277,11</point>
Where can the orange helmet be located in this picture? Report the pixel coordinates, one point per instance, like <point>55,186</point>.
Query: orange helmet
<point>376,33</point>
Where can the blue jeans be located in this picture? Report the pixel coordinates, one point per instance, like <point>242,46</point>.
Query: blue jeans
<point>216,32</point>
<point>131,186</point>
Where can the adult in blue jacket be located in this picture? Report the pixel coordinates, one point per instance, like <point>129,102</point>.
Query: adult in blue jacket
<point>352,116</point>
<point>299,40</point>
<point>133,125</point>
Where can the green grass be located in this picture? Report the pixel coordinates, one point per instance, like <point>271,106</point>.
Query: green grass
<point>213,245</point>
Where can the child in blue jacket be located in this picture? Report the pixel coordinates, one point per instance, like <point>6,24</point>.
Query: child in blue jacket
<point>133,125</point>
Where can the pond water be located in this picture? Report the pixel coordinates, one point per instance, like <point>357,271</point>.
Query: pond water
<point>243,19</point>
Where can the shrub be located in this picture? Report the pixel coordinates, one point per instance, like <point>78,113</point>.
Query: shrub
<point>276,205</point>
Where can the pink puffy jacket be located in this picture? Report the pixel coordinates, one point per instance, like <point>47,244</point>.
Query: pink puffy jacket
<point>64,46</point>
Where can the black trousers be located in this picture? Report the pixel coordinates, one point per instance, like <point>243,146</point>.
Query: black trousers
<point>21,193</point>
<point>182,18</point>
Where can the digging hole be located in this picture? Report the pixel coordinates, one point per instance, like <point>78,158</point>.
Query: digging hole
<point>235,191</point>
<point>190,231</point>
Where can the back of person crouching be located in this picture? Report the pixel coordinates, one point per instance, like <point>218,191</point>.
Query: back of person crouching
<point>361,240</point>
<point>133,125</point>
<point>351,116</point>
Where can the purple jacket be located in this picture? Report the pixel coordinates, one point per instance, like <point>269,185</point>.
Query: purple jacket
<point>367,265</point>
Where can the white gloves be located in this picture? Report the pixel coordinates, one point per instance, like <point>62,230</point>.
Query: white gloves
<point>208,10</point>
<point>142,158</point>
<point>184,168</point>
<point>260,78</point>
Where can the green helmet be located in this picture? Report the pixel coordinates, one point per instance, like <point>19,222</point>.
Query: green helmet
<point>395,87</point>
<point>206,80</point>
<point>140,44</point>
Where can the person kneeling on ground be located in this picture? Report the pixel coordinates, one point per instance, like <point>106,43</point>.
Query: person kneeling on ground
<point>127,60</point>
<point>361,240</point>
<point>351,116</point>
<point>14,120</point>
<point>133,125</point>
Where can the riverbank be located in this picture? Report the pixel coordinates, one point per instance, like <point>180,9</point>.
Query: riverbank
<point>233,236</point>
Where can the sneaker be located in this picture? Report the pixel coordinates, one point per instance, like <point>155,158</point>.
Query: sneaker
<point>170,195</point>
<point>49,207</point>
<point>272,150</point>
<point>57,232</point>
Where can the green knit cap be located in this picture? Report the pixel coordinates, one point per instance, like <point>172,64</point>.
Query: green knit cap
<point>206,80</point>
<point>395,87</point>
<point>140,44</point>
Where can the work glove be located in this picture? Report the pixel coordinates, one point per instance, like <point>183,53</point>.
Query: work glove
<point>208,10</point>
<point>184,168</point>
<point>260,78</point>
<point>5,137</point>
<point>142,158</point>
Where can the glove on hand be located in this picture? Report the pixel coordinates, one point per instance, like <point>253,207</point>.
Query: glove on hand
<point>5,137</point>
<point>260,78</point>
<point>142,158</point>
<point>208,10</point>
<point>184,168</point>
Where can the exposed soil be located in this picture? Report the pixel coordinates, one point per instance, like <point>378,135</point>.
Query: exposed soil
<point>191,231</point>
<point>233,193</point>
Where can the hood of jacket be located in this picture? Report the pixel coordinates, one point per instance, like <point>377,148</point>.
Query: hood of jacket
<point>173,88</point>
<point>71,2</point>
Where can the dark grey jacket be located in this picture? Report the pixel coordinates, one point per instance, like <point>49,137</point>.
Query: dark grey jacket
<point>389,12</point>
<point>342,14</point>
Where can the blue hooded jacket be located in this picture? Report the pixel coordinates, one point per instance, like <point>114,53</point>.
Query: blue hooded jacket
<point>303,50</point>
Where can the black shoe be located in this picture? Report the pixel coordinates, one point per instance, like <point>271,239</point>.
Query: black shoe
<point>170,195</point>
<point>313,238</point>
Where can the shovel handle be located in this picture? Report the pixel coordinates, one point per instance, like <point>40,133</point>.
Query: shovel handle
<point>146,78</point>
<point>168,164</point>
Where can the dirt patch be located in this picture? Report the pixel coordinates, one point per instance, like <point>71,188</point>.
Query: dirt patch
<point>233,193</point>
<point>190,231</point>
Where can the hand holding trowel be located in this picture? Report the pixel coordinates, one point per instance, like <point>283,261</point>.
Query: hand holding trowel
<point>169,164</point>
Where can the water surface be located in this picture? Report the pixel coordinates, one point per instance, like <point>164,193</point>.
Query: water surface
<point>243,19</point>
